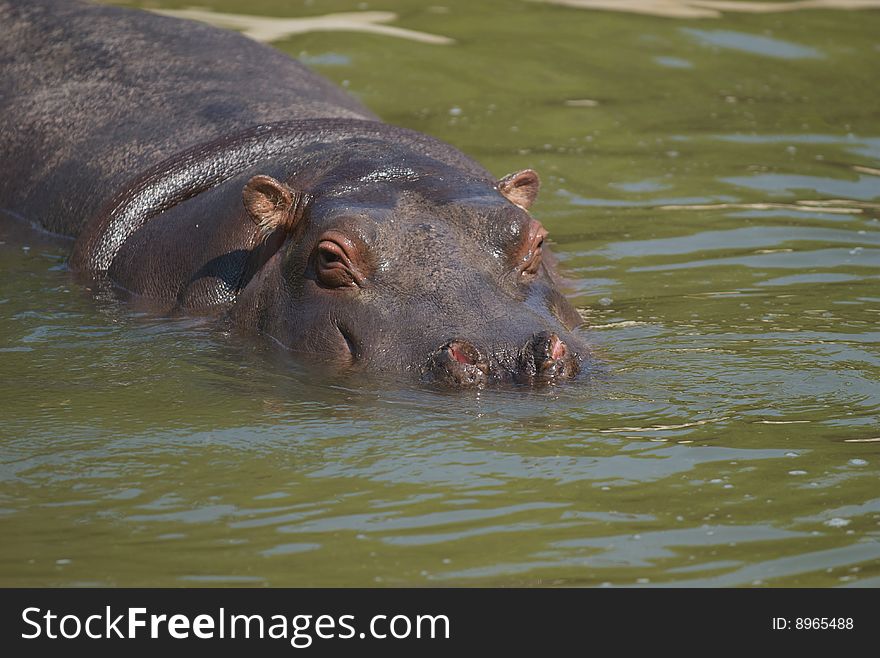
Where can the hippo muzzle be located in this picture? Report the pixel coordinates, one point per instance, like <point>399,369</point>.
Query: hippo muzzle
<point>544,359</point>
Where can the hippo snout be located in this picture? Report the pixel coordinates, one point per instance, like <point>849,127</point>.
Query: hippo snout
<point>544,359</point>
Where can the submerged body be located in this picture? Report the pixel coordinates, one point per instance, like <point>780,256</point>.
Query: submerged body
<point>212,174</point>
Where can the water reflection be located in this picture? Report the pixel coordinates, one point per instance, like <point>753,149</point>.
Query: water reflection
<point>710,8</point>
<point>274,28</point>
<point>752,43</point>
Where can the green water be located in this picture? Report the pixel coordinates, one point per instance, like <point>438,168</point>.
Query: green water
<point>730,438</point>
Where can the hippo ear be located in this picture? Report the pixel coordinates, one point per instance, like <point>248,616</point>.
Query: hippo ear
<point>273,205</point>
<point>520,188</point>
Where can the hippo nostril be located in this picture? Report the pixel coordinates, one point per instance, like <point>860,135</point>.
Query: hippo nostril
<point>557,348</point>
<point>546,358</point>
<point>460,353</point>
<point>463,352</point>
<point>457,363</point>
<point>546,347</point>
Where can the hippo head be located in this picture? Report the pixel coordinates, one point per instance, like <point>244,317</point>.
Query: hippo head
<point>411,268</point>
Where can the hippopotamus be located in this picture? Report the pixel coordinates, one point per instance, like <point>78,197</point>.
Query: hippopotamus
<point>216,176</point>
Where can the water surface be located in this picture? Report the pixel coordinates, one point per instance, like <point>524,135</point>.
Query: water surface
<point>712,187</point>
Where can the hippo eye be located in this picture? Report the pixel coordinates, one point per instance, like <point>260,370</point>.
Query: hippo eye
<point>333,267</point>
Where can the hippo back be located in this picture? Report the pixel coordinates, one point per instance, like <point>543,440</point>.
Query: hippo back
<point>91,95</point>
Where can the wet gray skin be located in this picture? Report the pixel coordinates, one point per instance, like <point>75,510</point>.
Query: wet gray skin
<point>421,270</point>
<point>260,192</point>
